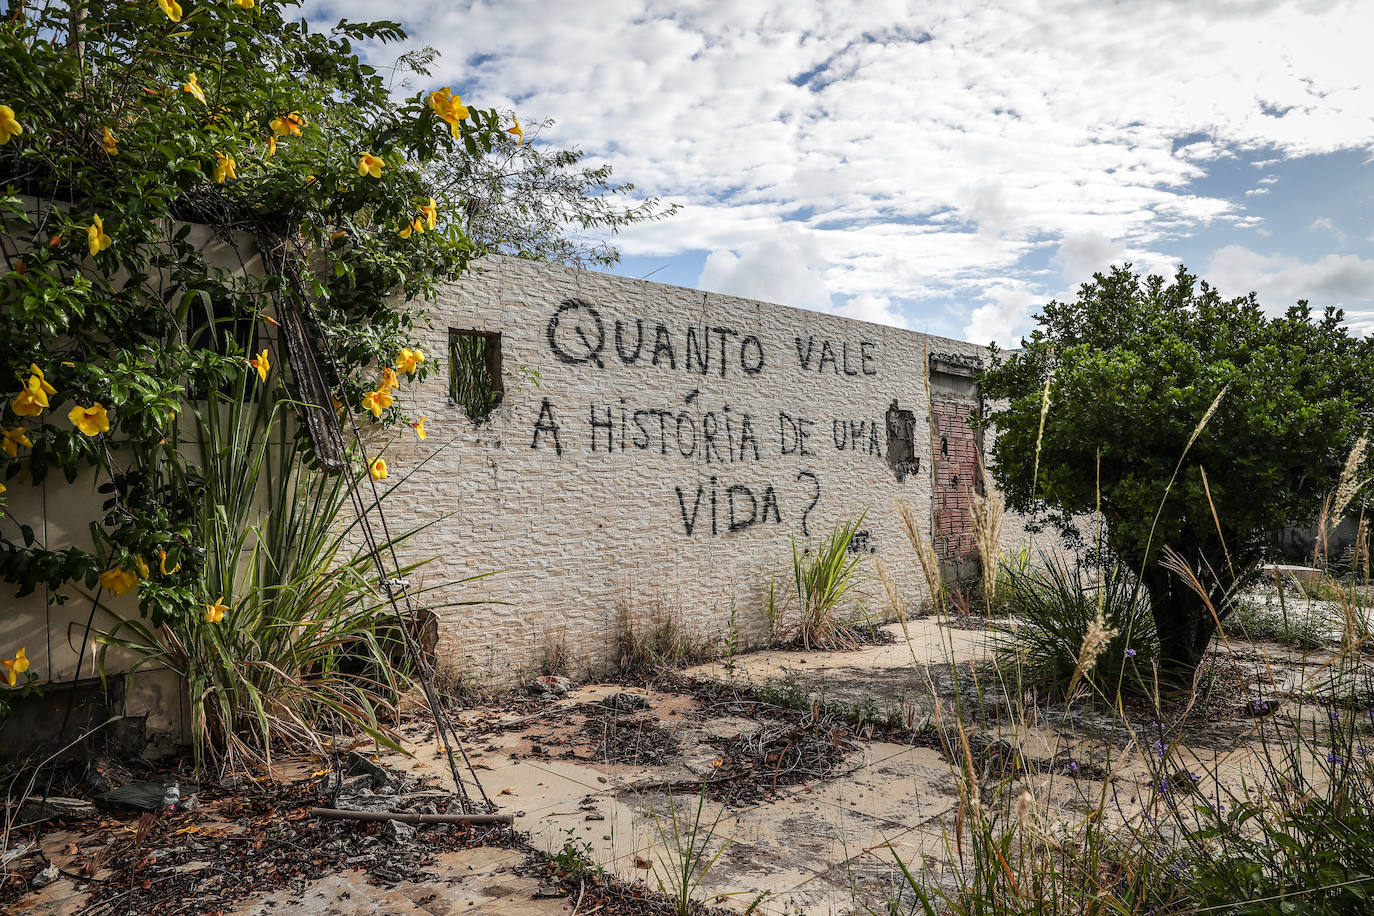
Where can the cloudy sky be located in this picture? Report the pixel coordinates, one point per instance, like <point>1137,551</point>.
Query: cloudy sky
<point>950,166</point>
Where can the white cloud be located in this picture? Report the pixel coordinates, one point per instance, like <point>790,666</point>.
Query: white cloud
<point>784,268</point>
<point>1342,280</point>
<point>916,151</point>
<point>877,309</point>
<point>1081,254</point>
<point>1008,310</point>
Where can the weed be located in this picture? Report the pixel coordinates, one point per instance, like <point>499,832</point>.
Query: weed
<point>1057,607</point>
<point>657,640</point>
<point>823,581</point>
<point>554,658</point>
<point>684,854</point>
<point>577,859</point>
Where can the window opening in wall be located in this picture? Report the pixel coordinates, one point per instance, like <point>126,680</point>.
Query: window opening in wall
<point>901,442</point>
<point>211,325</point>
<point>474,372</point>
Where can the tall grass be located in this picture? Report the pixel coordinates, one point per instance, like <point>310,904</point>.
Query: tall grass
<point>1056,605</point>
<point>1280,822</point>
<point>305,647</point>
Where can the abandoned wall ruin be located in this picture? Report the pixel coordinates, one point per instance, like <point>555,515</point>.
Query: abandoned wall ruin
<point>653,454</point>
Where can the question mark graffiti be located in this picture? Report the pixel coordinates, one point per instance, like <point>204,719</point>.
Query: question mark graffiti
<point>815,498</point>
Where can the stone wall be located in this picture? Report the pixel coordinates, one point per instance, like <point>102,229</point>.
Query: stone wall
<point>654,455</point>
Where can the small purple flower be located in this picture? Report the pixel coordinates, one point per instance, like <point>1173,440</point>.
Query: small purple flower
<point>1363,751</point>
<point>1335,716</point>
<point>1130,653</point>
<point>1333,758</point>
<point>1161,749</point>
<point>1071,768</point>
<point>1164,786</point>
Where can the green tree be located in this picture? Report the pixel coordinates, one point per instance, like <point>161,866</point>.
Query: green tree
<point>124,128</point>
<point>529,200</point>
<point>1133,366</point>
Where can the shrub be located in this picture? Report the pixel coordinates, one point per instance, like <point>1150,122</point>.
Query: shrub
<point>823,580</point>
<point>288,646</point>
<point>1132,365</point>
<point>1054,607</point>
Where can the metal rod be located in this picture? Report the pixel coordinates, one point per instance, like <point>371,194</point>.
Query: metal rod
<point>407,817</point>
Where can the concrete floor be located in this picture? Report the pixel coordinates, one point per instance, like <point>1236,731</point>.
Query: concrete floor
<point>818,847</point>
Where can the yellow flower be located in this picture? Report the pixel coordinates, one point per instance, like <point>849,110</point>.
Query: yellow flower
<point>262,364</point>
<point>91,420</point>
<point>378,469</point>
<point>449,107</point>
<point>419,427</point>
<point>141,565</point>
<point>15,666</point>
<point>34,397</point>
<point>27,404</point>
<point>370,165</point>
<point>39,382</point>
<point>3,488</point>
<point>108,141</point>
<point>9,127</point>
<point>409,360</point>
<point>377,401</point>
<point>162,564</point>
<point>193,87</point>
<point>430,212</point>
<point>118,581</point>
<point>288,125</point>
<point>224,167</point>
<point>246,4</point>
<point>271,146</point>
<point>388,379</point>
<point>12,439</point>
<point>214,613</point>
<point>518,131</point>
<point>172,9</point>
<point>415,225</point>
<point>96,239</point>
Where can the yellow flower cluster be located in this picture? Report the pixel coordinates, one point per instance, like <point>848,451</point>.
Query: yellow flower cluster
<point>449,108</point>
<point>428,219</point>
<point>118,581</point>
<point>214,613</point>
<point>288,125</point>
<point>371,165</point>
<point>34,397</point>
<point>11,439</point>
<point>92,420</point>
<point>224,167</point>
<point>15,666</point>
<point>262,364</point>
<point>9,126</point>
<point>96,239</point>
<point>192,86</point>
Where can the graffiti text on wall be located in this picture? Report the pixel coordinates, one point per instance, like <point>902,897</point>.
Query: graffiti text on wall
<point>737,486</point>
